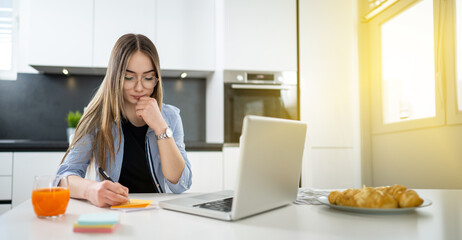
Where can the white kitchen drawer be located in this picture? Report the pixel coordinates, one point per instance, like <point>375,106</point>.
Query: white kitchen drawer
<point>4,208</point>
<point>6,163</point>
<point>5,188</point>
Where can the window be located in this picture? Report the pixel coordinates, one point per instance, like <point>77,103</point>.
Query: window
<point>7,33</point>
<point>415,64</point>
<point>408,65</point>
<point>453,58</point>
<point>406,92</point>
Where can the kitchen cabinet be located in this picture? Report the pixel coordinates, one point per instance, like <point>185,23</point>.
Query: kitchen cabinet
<point>329,99</point>
<point>113,18</point>
<point>5,186</point>
<point>207,171</point>
<point>60,33</point>
<point>82,34</point>
<point>27,165</point>
<point>186,34</point>
<point>260,35</point>
<point>6,171</point>
<point>230,166</point>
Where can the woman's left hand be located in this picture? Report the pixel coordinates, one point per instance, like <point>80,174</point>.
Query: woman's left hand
<point>148,109</point>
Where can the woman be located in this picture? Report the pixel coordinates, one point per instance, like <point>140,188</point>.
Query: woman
<point>128,132</point>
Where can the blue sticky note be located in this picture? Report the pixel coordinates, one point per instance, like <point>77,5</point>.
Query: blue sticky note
<point>98,219</point>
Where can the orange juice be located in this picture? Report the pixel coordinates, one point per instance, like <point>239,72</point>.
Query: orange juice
<point>50,201</point>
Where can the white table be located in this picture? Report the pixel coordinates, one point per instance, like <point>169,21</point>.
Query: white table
<point>441,220</point>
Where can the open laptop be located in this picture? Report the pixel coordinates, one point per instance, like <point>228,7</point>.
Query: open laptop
<point>270,160</point>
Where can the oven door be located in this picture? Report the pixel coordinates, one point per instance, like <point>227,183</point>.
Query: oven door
<point>271,100</point>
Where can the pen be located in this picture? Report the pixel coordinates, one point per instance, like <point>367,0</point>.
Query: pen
<point>106,176</point>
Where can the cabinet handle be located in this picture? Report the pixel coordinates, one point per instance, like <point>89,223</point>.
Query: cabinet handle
<point>259,87</point>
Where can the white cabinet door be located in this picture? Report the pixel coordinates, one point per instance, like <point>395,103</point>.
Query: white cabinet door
<point>5,188</point>
<point>230,165</point>
<point>260,35</point>
<point>60,32</point>
<point>6,170</point>
<point>114,18</point>
<point>207,171</point>
<point>186,34</point>
<point>6,163</point>
<point>26,166</point>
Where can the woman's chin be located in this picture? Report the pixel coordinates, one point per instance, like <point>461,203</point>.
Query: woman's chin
<point>133,101</point>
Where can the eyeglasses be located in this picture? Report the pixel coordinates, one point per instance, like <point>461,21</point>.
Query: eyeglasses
<point>146,81</point>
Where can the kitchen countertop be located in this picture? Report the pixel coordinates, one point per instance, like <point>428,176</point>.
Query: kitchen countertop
<point>24,145</point>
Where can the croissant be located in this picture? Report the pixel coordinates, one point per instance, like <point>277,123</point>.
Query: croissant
<point>379,197</point>
<point>396,190</point>
<point>410,199</point>
<point>369,197</point>
<point>346,198</point>
<point>333,196</point>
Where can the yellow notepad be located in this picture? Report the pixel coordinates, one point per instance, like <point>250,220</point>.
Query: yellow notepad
<point>134,203</point>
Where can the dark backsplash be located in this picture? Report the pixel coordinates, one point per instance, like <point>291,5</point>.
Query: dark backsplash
<point>35,105</point>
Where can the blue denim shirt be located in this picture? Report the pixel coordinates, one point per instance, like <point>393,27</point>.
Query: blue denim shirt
<point>78,159</point>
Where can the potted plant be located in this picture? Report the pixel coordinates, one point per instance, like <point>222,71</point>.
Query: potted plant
<point>73,119</point>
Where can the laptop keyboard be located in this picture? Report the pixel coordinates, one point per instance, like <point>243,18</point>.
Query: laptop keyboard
<point>223,205</point>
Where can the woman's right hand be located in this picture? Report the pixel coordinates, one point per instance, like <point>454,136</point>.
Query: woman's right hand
<point>106,193</point>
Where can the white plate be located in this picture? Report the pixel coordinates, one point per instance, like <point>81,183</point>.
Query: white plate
<point>325,200</point>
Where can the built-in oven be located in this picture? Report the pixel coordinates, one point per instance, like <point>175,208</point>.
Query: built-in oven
<point>272,94</point>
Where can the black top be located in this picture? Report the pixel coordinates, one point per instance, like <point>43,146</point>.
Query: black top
<point>135,172</point>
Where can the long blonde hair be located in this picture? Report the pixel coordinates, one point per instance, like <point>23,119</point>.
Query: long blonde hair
<point>107,105</point>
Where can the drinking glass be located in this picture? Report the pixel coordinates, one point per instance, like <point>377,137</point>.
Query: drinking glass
<point>48,198</point>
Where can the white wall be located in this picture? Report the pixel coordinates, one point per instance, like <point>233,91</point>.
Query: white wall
<point>329,93</point>
<point>425,158</point>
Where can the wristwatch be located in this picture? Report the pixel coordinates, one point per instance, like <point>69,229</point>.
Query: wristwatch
<point>168,133</point>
